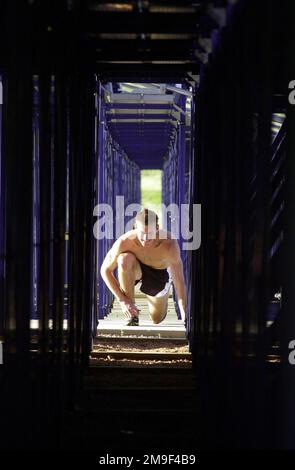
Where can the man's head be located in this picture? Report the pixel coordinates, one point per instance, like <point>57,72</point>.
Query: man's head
<point>146,226</point>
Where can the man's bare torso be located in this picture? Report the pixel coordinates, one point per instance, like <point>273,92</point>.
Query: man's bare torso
<point>157,256</point>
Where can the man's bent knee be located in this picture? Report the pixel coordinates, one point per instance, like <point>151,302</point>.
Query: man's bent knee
<point>158,318</point>
<point>126,260</point>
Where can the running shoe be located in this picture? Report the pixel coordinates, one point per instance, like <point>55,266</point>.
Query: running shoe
<point>133,321</point>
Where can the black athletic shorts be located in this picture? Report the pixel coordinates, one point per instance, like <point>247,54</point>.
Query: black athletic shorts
<point>155,282</point>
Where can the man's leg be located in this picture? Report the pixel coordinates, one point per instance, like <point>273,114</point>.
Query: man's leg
<point>158,307</point>
<point>129,271</point>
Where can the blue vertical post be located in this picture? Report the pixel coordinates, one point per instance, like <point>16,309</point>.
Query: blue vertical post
<point>2,214</point>
<point>52,150</point>
<point>101,193</point>
<point>35,200</point>
<point>95,279</point>
<point>191,261</point>
<point>182,184</point>
<point>182,156</point>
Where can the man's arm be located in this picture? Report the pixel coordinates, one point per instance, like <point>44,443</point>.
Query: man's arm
<point>109,264</point>
<point>176,266</point>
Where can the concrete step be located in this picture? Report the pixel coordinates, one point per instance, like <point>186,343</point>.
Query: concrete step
<point>140,341</point>
<point>128,355</point>
<point>116,377</point>
<point>101,363</point>
<point>143,316</point>
<point>135,399</point>
<point>141,345</point>
<point>146,330</point>
<point>154,380</point>
<point>138,337</point>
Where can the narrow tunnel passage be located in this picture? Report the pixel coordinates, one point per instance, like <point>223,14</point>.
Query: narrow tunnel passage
<point>147,126</point>
<point>92,93</point>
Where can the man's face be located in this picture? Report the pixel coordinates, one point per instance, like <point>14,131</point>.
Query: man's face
<point>146,234</point>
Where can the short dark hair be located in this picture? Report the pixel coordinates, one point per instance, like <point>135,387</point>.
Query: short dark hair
<point>146,216</point>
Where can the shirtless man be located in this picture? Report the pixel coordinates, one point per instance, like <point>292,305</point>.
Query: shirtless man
<point>151,256</point>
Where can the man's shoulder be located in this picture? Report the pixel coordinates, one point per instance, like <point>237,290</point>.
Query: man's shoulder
<point>171,246</point>
<point>167,237</point>
<point>125,238</point>
<point>130,235</point>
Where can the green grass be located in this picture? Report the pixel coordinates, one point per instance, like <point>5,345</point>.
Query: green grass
<point>151,190</point>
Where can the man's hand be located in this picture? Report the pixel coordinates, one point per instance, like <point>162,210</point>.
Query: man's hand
<point>184,319</point>
<point>183,315</point>
<point>128,307</point>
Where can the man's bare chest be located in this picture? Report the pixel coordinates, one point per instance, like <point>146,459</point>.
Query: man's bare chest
<point>155,257</point>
